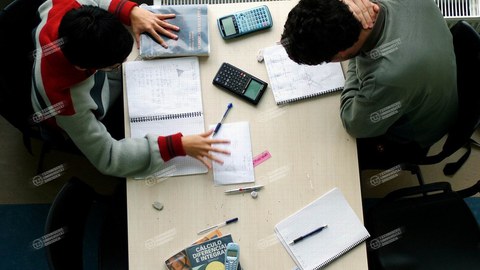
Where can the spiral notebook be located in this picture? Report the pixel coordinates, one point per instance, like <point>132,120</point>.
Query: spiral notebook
<point>291,82</point>
<point>343,231</point>
<point>165,97</point>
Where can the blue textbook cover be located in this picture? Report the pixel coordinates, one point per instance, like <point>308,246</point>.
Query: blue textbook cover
<point>193,37</point>
<point>209,254</point>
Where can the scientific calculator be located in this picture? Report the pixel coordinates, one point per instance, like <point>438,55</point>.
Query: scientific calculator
<point>244,22</point>
<point>240,83</point>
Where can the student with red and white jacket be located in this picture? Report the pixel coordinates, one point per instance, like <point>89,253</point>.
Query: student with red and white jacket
<point>77,43</point>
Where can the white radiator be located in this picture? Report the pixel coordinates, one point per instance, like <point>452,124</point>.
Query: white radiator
<point>455,10</point>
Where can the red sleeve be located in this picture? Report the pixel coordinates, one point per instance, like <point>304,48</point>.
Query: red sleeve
<point>122,9</point>
<point>171,146</point>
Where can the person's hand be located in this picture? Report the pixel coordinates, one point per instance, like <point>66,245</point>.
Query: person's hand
<point>200,146</point>
<point>364,10</point>
<point>143,20</point>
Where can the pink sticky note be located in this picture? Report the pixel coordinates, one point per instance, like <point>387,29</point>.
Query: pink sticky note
<point>261,158</point>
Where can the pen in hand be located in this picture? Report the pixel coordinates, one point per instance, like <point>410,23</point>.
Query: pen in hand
<point>298,239</point>
<point>217,128</point>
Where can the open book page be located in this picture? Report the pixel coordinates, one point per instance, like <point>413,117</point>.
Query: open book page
<point>237,167</point>
<point>343,232</point>
<point>193,37</point>
<point>291,82</point>
<point>164,97</point>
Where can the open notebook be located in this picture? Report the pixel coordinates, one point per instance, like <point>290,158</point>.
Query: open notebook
<point>343,231</point>
<point>165,97</point>
<point>292,82</point>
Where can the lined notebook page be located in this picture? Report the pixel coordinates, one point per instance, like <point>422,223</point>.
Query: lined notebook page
<point>237,167</point>
<point>344,231</point>
<point>292,82</point>
<point>165,97</point>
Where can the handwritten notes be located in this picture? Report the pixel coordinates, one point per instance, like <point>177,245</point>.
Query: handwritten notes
<point>237,167</point>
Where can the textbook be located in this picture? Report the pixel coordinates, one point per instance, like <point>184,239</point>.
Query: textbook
<point>164,97</point>
<point>322,231</point>
<point>209,254</point>
<point>193,37</point>
<point>292,82</point>
<point>180,260</point>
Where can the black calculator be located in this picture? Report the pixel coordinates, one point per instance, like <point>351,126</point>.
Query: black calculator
<point>240,83</point>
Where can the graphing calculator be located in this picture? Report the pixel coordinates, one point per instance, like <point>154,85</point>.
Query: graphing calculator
<point>244,22</point>
<point>240,83</point>
<point>232,255</point>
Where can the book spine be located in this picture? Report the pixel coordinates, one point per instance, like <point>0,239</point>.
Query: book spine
<point>164,117</point>
<point>309,96</point>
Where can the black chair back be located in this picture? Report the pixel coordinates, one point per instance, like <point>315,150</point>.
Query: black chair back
<point>17,22</point>
<point>466,42</point>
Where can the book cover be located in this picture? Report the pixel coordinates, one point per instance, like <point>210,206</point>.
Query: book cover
<point>193,37</point>
<point>209,255</point>
<point>180,260</point>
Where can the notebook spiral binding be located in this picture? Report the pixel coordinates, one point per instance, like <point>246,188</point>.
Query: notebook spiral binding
<point>309,96</point>
<point>340,253</point>
<point>164,117</point>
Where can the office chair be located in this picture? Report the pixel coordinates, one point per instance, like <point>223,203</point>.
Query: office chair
<point>17,22</point>
<point>85,221</point>
<point>424,227</point>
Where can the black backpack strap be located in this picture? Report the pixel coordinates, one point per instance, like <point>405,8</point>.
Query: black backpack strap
<point>468,192</point>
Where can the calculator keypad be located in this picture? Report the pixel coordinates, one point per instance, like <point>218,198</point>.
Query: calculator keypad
<point>232,78</point>
<point>252,20</point>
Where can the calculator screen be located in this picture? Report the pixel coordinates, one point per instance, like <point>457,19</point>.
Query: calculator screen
<point>253,89</point>
<point>228,26</point>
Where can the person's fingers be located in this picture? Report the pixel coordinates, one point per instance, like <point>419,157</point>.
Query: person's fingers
<point>165,16</point>
<point>207,134</point>
<point>201,159</point>
<point>214,141</point>
<point>220,150</point>
<point>212,157</point>
<point>158,38</point>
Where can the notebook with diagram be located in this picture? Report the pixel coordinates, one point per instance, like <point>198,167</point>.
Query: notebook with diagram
<point>165,97</point>
<point>291,82</point>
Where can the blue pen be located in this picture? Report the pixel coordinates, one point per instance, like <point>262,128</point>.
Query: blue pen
<point>319,229</point>
<point>217,128</point>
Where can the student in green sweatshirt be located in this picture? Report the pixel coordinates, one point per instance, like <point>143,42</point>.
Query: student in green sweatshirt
<point>400,90</point>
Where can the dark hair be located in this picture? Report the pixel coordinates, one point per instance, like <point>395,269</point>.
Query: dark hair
<point>316,30</point>
<point>94,38</point>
